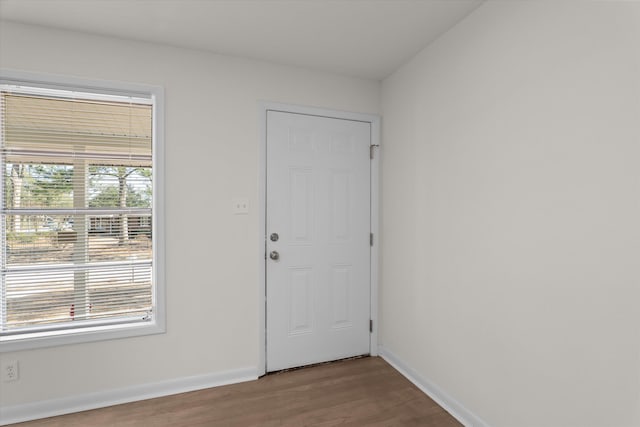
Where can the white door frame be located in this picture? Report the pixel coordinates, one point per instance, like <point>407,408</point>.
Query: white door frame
<point>263,107</point>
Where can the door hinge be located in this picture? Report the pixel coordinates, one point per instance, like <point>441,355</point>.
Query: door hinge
<point>370,325</point>
<point>370,239</point>
<point>371,149</point>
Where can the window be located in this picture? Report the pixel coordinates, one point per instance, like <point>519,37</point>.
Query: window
<point>79,215</point>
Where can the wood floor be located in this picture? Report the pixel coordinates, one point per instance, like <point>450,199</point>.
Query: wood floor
<point>360,392</point>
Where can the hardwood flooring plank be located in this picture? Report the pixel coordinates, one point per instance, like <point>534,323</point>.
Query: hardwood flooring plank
<point>350,393</point>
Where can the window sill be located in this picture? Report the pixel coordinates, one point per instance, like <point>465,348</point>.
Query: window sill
<point>76,336</point>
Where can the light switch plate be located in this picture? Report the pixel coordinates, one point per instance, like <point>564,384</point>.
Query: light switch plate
<point>240,205</point>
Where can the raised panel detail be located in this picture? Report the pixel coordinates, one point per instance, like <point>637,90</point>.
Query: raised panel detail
<point>341,143</point>
<point>300,300</point>
<point>340,213</point>
<point>300,181</point>
<point>300,141</point>
<point>341,296</point>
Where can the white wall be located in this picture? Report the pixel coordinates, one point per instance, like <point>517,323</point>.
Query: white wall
<point>212,146</point>
<point>511,219</point>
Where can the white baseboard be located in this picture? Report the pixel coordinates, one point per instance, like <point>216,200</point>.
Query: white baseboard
<point>84,402</point>
<point>101,399</point>
<point>452,406</point>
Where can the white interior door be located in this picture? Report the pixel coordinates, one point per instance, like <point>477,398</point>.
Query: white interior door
<point>318,204</point>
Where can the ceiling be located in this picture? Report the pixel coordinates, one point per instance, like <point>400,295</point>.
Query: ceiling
<point>361,38</point>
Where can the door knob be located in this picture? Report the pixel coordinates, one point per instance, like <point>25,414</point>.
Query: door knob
<point>274,237</point>
<point>274,255</point>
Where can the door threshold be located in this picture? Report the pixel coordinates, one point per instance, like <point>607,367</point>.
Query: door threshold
<point>313,365</point>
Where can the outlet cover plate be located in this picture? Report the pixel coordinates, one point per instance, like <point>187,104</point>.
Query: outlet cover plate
<point>9,370</point>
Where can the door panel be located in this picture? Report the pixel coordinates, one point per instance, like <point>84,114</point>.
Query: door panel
<point>318,202</point>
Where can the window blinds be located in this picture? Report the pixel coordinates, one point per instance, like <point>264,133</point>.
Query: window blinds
<point>76,210</point>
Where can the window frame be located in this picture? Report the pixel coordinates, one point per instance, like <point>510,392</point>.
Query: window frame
<point>157,325</point>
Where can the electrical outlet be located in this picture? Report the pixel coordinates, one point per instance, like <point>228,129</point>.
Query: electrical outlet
<point>10,370</point>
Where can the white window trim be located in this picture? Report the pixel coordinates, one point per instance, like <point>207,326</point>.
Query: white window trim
<point>108,332</point>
